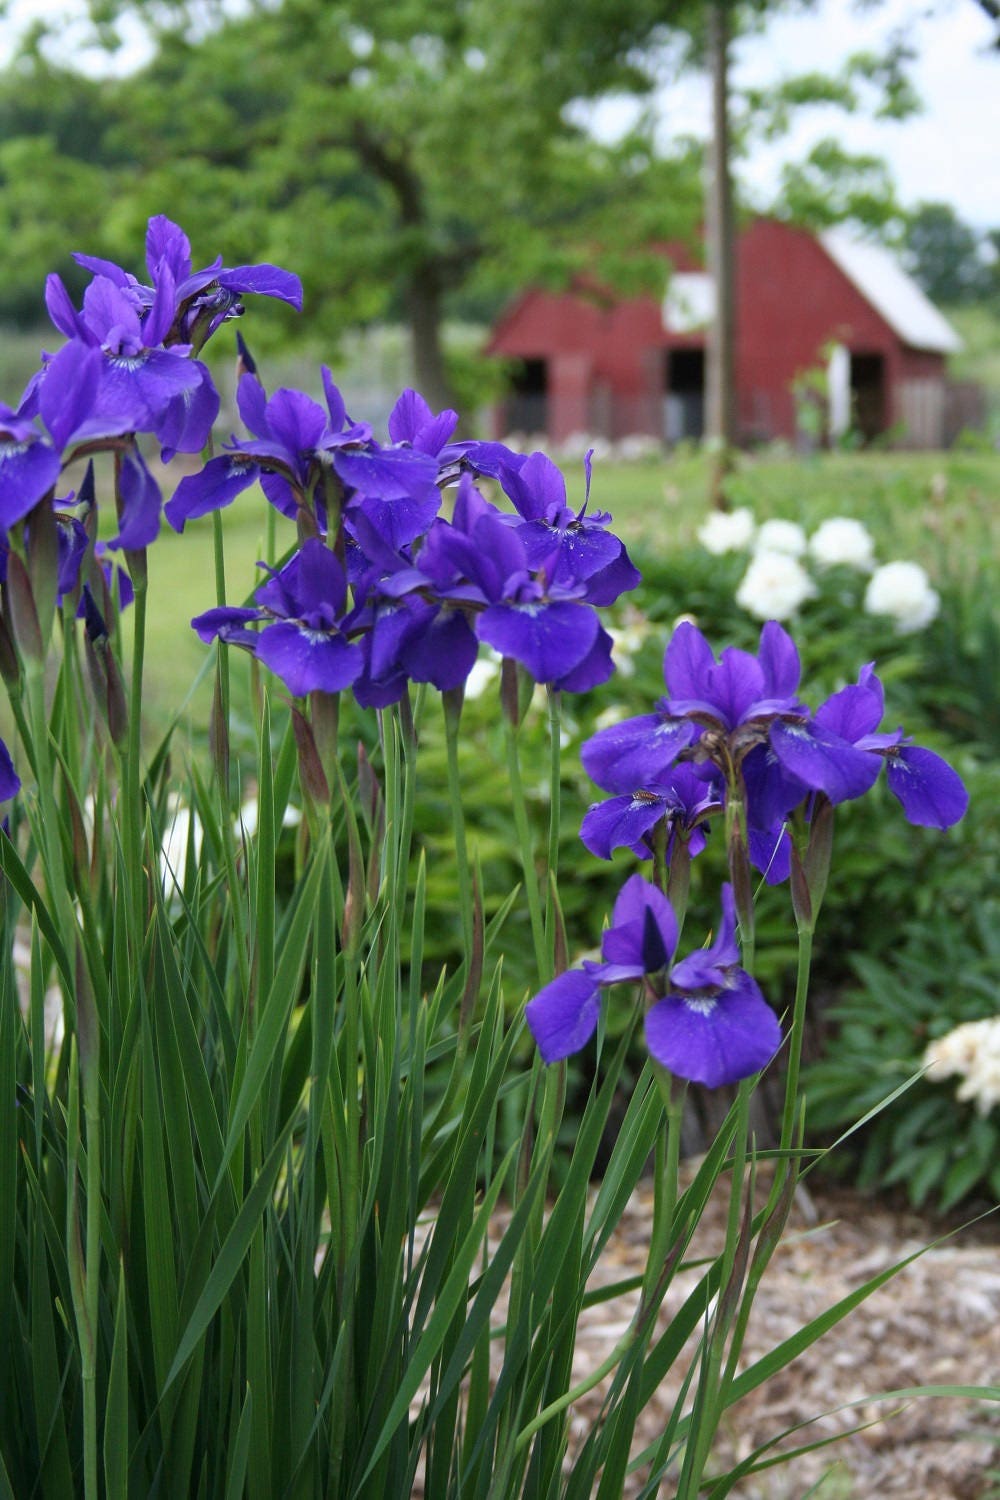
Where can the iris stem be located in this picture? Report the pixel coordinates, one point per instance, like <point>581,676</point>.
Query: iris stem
<point>795,1037</point>
<point>542,959</point>
<point>219,550</point>
<point>133,750</point>
<point>555,799</point>
<point>452,705</point>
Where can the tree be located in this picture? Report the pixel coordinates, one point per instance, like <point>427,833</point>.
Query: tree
<point>946,256</point>
<point>397,152</point>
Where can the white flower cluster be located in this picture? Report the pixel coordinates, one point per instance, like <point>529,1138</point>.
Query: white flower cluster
<point>777,581</point>
<point>972,1051</point>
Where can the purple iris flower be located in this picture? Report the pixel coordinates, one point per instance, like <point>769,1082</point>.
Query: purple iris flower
<point>10,782</point>
<point>29,467</point>
<point>524,613</point>
<point>143,386</point>
<point>726,705</point>
<point>683,796</point>
<point>725,711</point>
<point>296,444</point>
<point>411,421</point>
<point>412,631</point>
<point>304,641</point>
<point>708,1022</point>
<point>202,300</point>
<point>844,731</point>
<point>584,550</point>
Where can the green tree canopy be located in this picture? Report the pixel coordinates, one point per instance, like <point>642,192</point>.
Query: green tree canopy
<point>946,256</point>
<point>399,155</point>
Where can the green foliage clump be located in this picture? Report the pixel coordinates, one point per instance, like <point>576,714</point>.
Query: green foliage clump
<point>944,970</point>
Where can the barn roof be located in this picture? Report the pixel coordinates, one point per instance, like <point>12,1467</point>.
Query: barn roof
<point>883,283</point>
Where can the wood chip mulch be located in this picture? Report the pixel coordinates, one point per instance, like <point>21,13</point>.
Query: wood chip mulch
<point>936,1323</point>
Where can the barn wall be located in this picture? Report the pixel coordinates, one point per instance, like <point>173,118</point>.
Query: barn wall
<point>792,303</point>
<point>606,359</point>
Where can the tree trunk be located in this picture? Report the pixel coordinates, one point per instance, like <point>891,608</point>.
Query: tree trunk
<point>425,320</point>
<point>720,425</point>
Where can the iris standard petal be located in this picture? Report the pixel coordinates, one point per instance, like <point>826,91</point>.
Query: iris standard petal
<point>779,661</point>
<point>687,662</point>
<point>643,930</point>
<point>854,712</point>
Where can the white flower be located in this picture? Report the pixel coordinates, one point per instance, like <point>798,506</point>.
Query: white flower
<point>184,827</point>
<point>484,671</point>
<point>781,536</point>
<point>840,540</point>
<point>626,640</point>
<point>902,591</point>
<point>249,818</point>
<point>727,531</point>
<point>773,586</point>
<point>613,714</point>
<point>972,1051</point>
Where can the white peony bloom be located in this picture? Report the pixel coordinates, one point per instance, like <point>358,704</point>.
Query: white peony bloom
<point>972,1051</point>
<point>902,591</point>
<point>774,586</point>
<point>184,827</point>
<point>484,672</point>
<point>781,536</point>
<point>727,531</point>
<point>841,540</point>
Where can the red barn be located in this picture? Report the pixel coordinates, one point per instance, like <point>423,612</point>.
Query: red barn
<point>586,362</point>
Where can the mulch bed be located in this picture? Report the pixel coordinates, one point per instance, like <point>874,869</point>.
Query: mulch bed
<point>936,1323</point>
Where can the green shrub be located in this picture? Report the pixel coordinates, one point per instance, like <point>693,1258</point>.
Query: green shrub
<point>944,970</point>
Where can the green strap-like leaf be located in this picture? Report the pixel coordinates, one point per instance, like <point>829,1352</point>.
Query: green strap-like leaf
<point>230,1259</point>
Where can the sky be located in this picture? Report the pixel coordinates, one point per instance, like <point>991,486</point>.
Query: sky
<point>950,153</point>
<point>947,154</point>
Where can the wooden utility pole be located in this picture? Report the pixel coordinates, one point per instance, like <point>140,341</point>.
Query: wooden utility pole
<point>720,234</point>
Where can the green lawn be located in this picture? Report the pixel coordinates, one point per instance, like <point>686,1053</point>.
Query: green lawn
<point>921,506</point>
<point>939,509</point>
